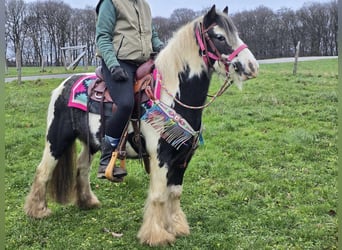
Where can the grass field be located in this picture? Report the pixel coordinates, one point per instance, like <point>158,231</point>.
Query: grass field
<point>264,179</point>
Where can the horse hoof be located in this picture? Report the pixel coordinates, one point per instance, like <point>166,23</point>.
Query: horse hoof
<point>38,214</point>
<point>89,203</point>
<point>182,230</point>
<point>180,224</point>
<point>157,238</point>
<point>159,242</point>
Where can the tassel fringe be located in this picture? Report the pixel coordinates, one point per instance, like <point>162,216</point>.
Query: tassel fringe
<point>171,126</point>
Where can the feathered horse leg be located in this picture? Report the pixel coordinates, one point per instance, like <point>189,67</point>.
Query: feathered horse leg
<point>36,202</point>
<point>179,224</point>
<point>85,197</point>
<point>155,228</point>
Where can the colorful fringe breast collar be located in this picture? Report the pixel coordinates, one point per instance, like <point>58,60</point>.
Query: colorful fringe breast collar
<point>173,128</point>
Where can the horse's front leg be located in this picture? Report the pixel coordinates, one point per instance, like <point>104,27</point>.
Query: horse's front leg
<point>179,224</point>
<point>155,229</point>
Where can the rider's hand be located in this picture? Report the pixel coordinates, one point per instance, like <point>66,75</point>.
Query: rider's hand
<point>119,74</point>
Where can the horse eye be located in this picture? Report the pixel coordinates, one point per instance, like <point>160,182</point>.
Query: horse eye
<point>220,38</point>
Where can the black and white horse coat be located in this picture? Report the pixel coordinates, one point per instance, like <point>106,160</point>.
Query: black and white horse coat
<point>186,69</point>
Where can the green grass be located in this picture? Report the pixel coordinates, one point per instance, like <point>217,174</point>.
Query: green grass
<point>264,179</point>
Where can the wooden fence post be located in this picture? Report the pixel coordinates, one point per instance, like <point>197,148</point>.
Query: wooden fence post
<point>296,59</point>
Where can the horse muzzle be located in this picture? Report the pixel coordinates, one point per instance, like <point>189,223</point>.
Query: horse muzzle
<point>246,71</point>
<point>245,65</point>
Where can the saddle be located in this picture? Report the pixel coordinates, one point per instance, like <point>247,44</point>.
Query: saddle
<point>143,91</point>
<point>143,86</point>
<point>97,90</point>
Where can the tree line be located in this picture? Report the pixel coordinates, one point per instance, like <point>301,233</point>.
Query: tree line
<point>36,32</point>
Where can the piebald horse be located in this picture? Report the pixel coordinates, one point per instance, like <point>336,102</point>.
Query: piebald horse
<point>208,44</point>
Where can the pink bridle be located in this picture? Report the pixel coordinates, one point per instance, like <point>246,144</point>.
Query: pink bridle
<point>202,41</point>
<point>207,55</point>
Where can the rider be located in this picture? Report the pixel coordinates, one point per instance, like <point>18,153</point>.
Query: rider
<point>125,39</point>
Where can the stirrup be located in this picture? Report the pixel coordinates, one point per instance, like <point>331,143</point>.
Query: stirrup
<point>111,165</point>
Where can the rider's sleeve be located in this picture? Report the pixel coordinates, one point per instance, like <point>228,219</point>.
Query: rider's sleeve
<point>157,44</point>
<point>106,20</point>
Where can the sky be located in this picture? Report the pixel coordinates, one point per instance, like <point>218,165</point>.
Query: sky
<point>165,8</point>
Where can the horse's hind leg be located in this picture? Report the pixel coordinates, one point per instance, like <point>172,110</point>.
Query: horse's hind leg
<point>36,203</point>
<point>85,197</point>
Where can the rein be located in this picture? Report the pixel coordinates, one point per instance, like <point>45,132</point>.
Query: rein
<point>227,83</point>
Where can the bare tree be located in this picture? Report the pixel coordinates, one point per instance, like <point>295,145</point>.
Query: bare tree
<point>55,16</point>
<point>82,32</point>
<point>180,17</point>
<point>314,19</point>
<point>258,28</point>
<point>246,24</point>
<point>161,24</point>
<point>275,34</point>
<point>333,27</point>
<point>15,12</point>
<point>6,48</point>
<point>87,32</point>
<point>288,30</point>
<point>37,31</point>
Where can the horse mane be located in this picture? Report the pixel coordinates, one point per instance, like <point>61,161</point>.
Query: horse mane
<point>182,50</point>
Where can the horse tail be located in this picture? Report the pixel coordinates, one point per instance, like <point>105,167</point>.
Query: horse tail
<point>62,186</point>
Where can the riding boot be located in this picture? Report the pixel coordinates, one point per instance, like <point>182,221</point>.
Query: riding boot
<point>108,146</point>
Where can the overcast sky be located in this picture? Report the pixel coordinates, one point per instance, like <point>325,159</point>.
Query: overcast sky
<point>166,7</point>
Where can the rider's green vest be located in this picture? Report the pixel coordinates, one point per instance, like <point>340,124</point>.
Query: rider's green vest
<point>133,30</point>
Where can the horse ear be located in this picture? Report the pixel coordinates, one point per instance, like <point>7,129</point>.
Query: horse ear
<point>210,17</point>
<point>212,12</point>
<point>225,10</point>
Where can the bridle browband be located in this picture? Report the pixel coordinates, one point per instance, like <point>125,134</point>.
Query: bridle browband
<point>204,39</point>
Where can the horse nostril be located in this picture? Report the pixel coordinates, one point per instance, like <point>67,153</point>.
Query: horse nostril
<point>253,69</point>
<point>235,67</point>
<point>238,67</point>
